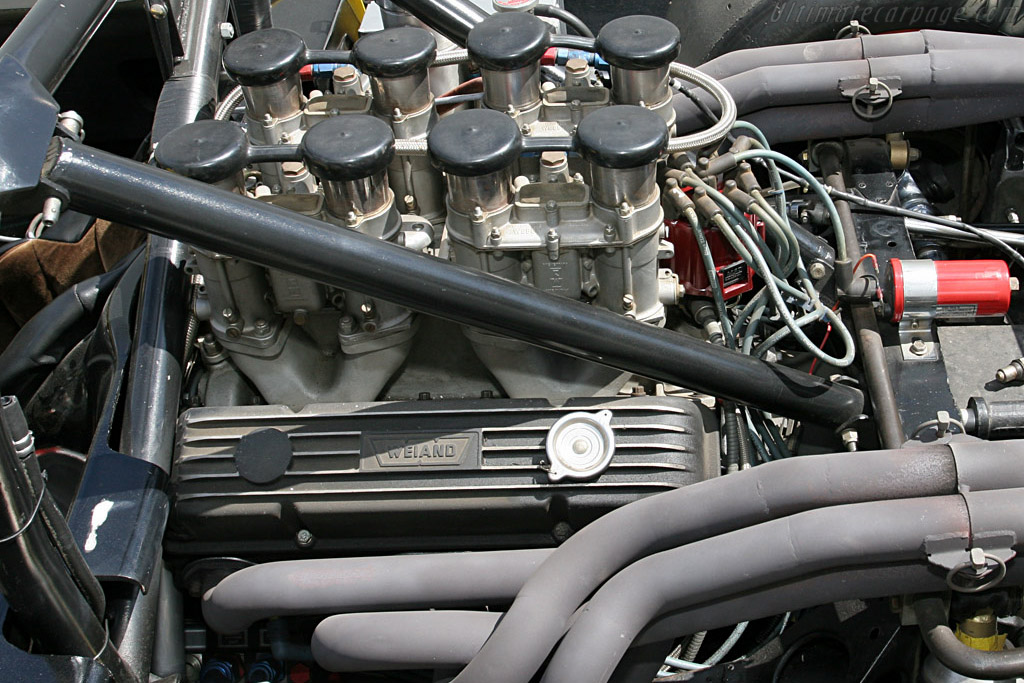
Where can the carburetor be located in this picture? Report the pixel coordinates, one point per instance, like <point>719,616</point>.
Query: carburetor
<point>300,342</point>
<point>392,83</point>
<point>593,235</point>
<point>508,48</point>
<point>551,186</point>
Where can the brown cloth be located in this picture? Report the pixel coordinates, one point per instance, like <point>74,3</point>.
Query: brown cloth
<point>34,273</point>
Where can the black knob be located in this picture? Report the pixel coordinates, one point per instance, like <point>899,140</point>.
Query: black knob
<point>209,151</point>
<point>265,57</point>
<point>508,41</point>
<point>348,147</point>
<point>623,136</point>
<point>639,43</point>
<point>474,142</point>
<point>395,52</point>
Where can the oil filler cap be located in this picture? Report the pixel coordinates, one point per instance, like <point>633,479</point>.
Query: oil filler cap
<point>580,445</point>
<point>263,456</point>
<point>395,52</point>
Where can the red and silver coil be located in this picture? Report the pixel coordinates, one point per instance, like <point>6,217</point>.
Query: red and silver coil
<point>950,289</point>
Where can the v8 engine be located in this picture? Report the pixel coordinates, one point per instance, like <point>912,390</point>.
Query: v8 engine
<point>423,340</point>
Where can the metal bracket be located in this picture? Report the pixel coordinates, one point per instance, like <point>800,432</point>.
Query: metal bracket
<point>918,340</point>
<point>872,99</point>
<point>984,562</point>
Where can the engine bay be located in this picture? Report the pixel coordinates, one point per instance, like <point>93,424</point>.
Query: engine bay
<point>470,344</point>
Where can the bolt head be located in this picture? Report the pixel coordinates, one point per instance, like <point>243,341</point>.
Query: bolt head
<point>817,270</point>
<point>227,30</point>
<point>158,10</point>
<point>918,347</point>
<point>304,538</point>
<point>576,66</point>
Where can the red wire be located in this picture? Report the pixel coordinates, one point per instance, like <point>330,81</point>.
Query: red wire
<point>828,331</point>
<point>878,274</point>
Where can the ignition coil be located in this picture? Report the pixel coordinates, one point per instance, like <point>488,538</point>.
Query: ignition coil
<point>949,289</point>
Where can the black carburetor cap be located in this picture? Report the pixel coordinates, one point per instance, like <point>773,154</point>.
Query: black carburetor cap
<point>395,52</point>
<point>348,147</point>
<point>209,151</point>
<point>639,42</point>
<point>265,57</point>
<point>622,136</point>
<point>508,41</point>
<point>474,142</point>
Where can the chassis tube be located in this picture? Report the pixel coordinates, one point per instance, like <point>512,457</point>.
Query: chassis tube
<point>34,578</point>
<point>197,213</point>
<point>50,37</point>
<point>876,368</point>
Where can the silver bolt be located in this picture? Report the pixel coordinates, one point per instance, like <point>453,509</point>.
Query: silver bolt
<point>525,129</point>
<point>850,439</point>
<point>229,315</point>
<point>262,327</point>
<point>817,270</point>
<point>346,325</point>
<point>227,30</point>
<point>628,302</point>
<point>625,209</point>
<point>918,347</point>
<point>495,235</point>
<point>304,538</point>
<point>477,215</point>
<point>1012,215</point>
<point>72,121</point>
<point>369,317</point>
<point>157,10</point>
